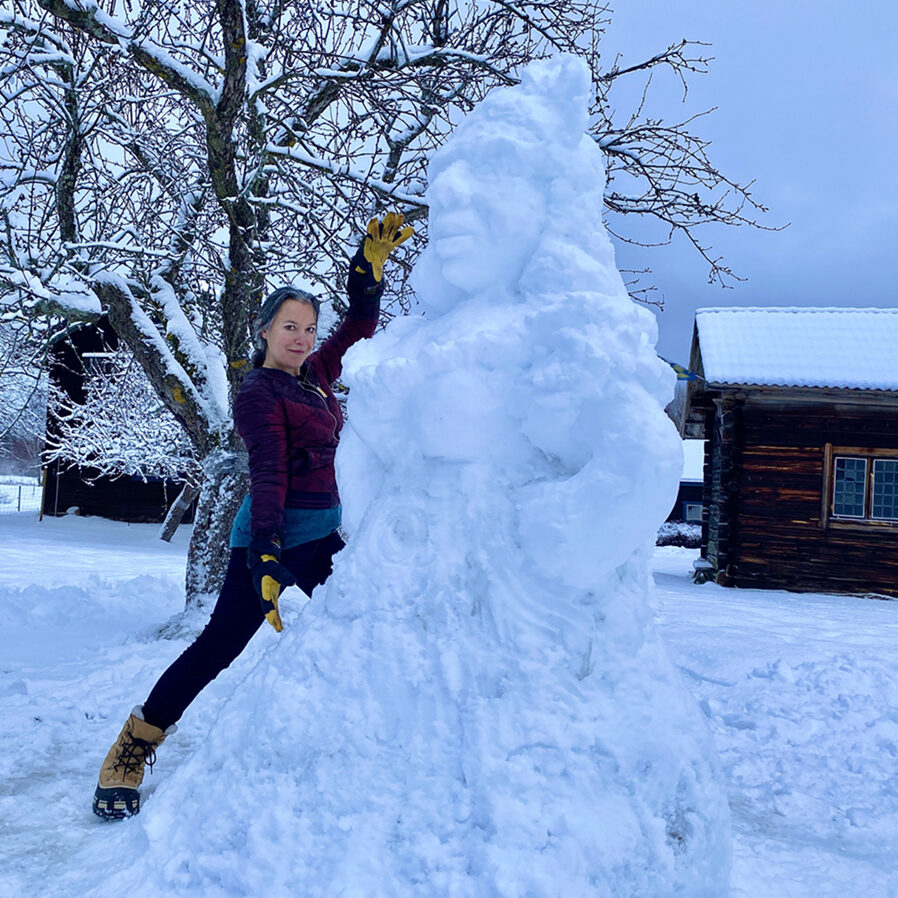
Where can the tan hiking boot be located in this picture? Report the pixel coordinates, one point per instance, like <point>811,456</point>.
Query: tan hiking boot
<point>116,795</point>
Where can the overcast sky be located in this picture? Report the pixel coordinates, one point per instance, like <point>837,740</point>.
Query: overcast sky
<point>806,94</point>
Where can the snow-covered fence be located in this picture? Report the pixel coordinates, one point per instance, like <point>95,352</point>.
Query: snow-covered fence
<point>18,494</point>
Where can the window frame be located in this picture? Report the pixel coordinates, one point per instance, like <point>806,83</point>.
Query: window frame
<point>869,455</point>
<point>875,461</point>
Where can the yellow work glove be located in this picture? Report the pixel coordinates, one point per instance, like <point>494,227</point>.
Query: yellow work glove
<point>269,593</point>
<point>269,576</point>
<point>381,238</point>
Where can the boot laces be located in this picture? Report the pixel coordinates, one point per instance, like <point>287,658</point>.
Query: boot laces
<point>134,754</point>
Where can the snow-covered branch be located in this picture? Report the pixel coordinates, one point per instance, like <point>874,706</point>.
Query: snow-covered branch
<point>23,397</point>
<point>89,18</point>
<point>121,428</point>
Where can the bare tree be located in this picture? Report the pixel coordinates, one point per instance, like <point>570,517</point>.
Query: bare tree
<point>23,402</point>
<point>660,170</point>
<point>164,163</point>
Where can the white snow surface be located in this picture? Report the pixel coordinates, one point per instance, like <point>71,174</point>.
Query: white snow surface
<point>478,703</point>
<point>799,691</point>
<point>800,347</point>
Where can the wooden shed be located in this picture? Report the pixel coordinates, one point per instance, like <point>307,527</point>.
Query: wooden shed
<point>798,408</point>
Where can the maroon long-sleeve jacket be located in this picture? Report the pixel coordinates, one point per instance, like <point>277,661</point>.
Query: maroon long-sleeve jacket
<point>291,425</point>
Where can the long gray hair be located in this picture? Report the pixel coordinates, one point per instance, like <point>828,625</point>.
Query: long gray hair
<point>268,312</point>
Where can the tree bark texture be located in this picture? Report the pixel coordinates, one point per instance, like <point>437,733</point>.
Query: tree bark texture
<point>225,483</point>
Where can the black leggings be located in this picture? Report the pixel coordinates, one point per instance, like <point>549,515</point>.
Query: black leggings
<point>236,617</point>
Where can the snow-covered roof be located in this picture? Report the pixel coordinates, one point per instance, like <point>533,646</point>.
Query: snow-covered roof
<point>800,347</point>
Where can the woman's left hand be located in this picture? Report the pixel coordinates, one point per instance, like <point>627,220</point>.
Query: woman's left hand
<point>381,238</point>
<point>270,577</point>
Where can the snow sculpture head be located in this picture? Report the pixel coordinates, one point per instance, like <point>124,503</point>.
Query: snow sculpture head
<point>469,206</point>
<point>489,196</point>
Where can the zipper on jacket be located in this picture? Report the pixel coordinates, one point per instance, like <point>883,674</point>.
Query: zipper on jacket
<point>313,388</point>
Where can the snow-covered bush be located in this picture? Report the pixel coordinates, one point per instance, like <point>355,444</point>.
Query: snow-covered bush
<point>679,533</point>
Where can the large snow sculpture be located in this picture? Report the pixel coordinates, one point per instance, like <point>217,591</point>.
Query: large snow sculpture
<point>478,703</point>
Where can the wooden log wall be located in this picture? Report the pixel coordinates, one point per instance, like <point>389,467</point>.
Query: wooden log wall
<point>779,542</point>
<point>707,477</point>
<point>723,508</point>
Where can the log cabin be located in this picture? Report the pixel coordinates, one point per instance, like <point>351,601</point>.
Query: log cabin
<point>798,410</point>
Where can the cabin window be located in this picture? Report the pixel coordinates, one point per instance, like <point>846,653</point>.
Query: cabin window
<point>850,487</point>
<point>885,495</point>
<point>861,486</point>
<point>692,512</point>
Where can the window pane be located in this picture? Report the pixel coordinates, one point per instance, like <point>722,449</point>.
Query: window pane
<point>885,489</point>
<point>850,486</point>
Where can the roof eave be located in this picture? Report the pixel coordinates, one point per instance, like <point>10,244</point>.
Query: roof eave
<point>770,388</point>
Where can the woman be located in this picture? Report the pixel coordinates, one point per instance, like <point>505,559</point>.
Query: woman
<point>285,532</point>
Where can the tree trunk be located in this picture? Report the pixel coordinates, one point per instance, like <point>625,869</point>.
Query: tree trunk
<point>225,483</point>
<point>177,511</point>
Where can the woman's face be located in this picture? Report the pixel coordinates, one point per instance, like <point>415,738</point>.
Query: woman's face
<point>291,337</point>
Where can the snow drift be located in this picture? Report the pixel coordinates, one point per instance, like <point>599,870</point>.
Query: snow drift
<point>478,703</point>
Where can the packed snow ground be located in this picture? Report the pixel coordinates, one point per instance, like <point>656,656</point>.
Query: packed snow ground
<point>800,691</point>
